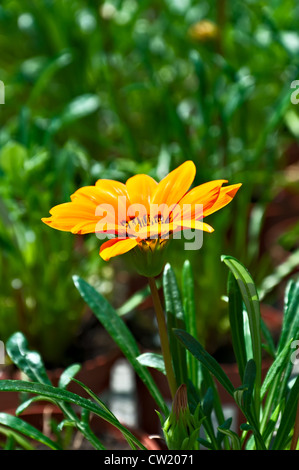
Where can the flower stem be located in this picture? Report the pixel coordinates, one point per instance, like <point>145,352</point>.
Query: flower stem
<point>163,336</point>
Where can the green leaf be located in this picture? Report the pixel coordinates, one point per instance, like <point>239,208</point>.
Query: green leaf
<point>61,395</point>
<point>114,420</point>
<point>239,396</point>
<point>30,362</point>
<point>190,317</point>
<point>153,360</point>
<point>236,322</point>
<point>225,425</point>
<point>248,382</point>
<point>175,319</point>
<point>22,427</point>
<point>136,299</point>
<point>251,301</point>
<point>276,368</point>
<point>290,326</point>
<point>206,359</point>
<point>20,440</point>
<point>120,333</point>
<point>287,419</point>
<point>235,440</point>
<point>205,443</point>
<point>68,374</point>
<point>208,402</point>
<point>66,423</point>
<point>23,406</point>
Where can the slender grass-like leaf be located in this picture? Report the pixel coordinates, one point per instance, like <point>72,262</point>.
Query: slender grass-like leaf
<point>276,368</point>
<point>30,362</point>
<point>251,301</point>
<point>235,440</point>
<point>287,418</point>
<point>61,395</point>
<point>207,405</point>
<point>136,299</point>
<point>153,360</point>
<point>225,425</point>
<point>23,406</point>
<point>206,359</point>
<point>248,382</point>
<point>290,326</point>
<point>18,439</point>
<point>175,319</point>
<point>235,304</point>
<point>190,316</point>
<point>126,434</point>
<point>22,427</point>
<point>120,333</point>
<point>68,375</point>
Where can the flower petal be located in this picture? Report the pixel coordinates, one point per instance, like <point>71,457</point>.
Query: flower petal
<point>116,246</point>
<point>140,189</point>
<point>197,201</point>
<point>105,203</point>
<point>226,195</point>
<point>174,186</point>
<point>195,224</point>
<point>106,192</point>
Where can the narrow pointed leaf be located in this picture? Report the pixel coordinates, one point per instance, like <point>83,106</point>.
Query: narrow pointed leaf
<point>68,374</point>
<point>153,360</point>
<point>287,419</point>
<point>30,362</point>
<point>120,333</point>
<point>22,427</point>
<point>175,319</point>
<point>61,395</point>
<point>236,322</point>
<point>235,440</point>
<point>250,298</point>
<point>276,368</point>
<point>290,326</point>
<point>18,438</point>
<point>190,317</point>
<point>206,359</point>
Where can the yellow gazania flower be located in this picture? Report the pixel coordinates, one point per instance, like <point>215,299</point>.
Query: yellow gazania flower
<point>142,214</point>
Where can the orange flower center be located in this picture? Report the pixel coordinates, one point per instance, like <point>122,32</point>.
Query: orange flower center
<point>148,227</point>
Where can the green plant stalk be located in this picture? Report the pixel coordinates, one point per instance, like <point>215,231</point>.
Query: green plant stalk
<point>163,337</point>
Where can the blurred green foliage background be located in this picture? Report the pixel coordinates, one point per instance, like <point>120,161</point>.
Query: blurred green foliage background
<point>107,89</point>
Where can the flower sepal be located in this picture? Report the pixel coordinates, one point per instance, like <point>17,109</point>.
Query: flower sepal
<point>181,427</point>
<point>149,256</point>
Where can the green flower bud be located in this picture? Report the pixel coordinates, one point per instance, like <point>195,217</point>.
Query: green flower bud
<point>181,428</point>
